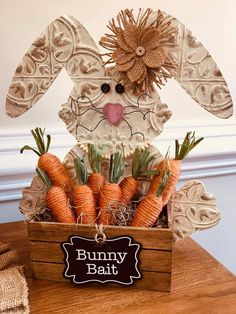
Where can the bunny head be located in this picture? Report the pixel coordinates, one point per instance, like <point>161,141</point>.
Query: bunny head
<point>114,101</point>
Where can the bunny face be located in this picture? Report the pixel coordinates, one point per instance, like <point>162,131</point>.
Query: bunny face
<point>105,112</point>
<point>145,50</point>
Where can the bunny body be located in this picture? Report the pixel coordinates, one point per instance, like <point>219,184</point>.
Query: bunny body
<point>113,118</point>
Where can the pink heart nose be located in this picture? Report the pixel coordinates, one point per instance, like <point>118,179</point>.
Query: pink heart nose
<point>113,113</point>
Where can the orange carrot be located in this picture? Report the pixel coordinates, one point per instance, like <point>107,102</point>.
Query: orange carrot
<point>96,182</point>
<point>174,165</point>
<point>110,196</point>
<point>96,179</point>
<point>151,205</point>
<point>111,191</point>
<point>57,200</point>
<point>49,163</point>
<point>84,204</point>
<point>82,195</point>
<point>147,211</point>
<point>129,185</point>
<point>129,188</point>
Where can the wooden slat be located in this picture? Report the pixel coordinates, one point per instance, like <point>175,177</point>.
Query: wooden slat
<point>150,280</point>
<point>152,260</point>
<point>151,238</point>
<point>200,285</point>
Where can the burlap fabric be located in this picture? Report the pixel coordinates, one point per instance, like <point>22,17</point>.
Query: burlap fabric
<point>13,285</point>
<point>137,48</point>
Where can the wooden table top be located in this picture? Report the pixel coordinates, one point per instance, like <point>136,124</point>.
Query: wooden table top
<point>200,285</point>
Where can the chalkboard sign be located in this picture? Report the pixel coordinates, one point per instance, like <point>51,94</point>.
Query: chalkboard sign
<point>111,261</point>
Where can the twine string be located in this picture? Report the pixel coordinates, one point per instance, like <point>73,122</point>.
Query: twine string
<point>100,236</point>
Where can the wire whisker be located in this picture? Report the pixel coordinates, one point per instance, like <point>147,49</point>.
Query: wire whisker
<point>150,111</point>
<point>134,112</point>
<point>78,115</point>
<point>138,104</point>
<point>131,132</point>
<point>100,111</point>
<point>144,94</point>
<point>72,105</point>
<point>89,100</point>
<point>139,111</point>
<point>90,130</point>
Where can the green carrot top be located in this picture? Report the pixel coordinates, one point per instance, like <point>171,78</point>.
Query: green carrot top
<point>81,170</point>
<point>189,142</point>
<point>43,177</point>
<point>42,144</point>
<point>116,169</point>
<point>141,160</point>
<point>95,157</point>
<point>165,174</point>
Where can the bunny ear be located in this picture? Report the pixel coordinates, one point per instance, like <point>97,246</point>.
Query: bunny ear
<point>198,73</point>
<point>64,43</point>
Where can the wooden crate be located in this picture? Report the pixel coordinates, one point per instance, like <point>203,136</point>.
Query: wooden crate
<point>155,256</point>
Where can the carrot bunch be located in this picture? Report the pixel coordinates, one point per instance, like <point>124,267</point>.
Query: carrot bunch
<point>82,195</point>
<point>174,165</point>
<point>129,185</point>
<point>49,163</point>
<point>96,179</point>
<point>57,200</point>
<point>111,191</point>
<point>151,205</point>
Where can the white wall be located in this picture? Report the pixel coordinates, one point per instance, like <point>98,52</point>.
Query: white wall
<point>212,22</point>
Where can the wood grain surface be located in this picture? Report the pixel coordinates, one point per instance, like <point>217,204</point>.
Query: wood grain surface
<point>152,260</point>
<point>155,254</point>
<point>200,285</point>
<point>151,280</point>
<point>54,232</point>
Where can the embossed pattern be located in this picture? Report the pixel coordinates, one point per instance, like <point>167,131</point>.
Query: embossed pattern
<point>200,76</point>
<point>192,209</point>
<point>32,204</point>
<point>64,43</point>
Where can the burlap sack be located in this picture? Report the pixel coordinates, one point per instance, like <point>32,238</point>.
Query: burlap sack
<point>13,285</point>
<point>8,259</point>
<point>4,247</point>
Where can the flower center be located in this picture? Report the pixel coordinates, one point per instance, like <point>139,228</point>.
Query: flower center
<point>140,51</point>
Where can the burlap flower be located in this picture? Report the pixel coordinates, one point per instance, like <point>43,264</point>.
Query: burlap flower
<point>137,49</point>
